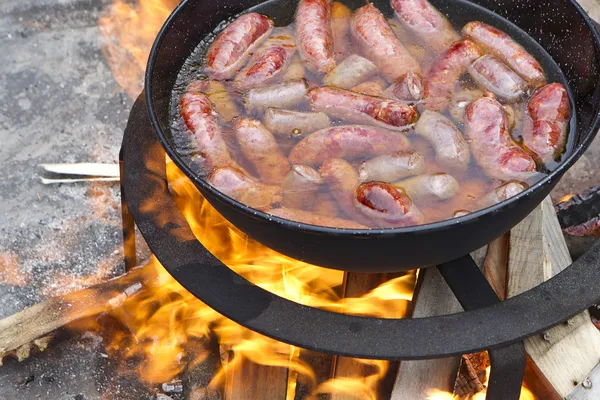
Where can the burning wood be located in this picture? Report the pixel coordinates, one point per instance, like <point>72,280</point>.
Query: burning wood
<point>579,215</point>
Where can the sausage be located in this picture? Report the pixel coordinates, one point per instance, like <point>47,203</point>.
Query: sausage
<point>546,126</point>
<point>340,29</point>
<point>506,49</point>
<point>439,186</point>
<point>409,87</point>
<point>270,62</point>
<point>386,206</point>
<point>284,95</point>
<point>424,21</point>
<point>347,141</point>
<point>371,88</point>
<point>461,100</point>
<point>372,33</point>
<point>307,217</point>
<point>220,98</point>
<point>502,193</point>
<point>296,124</point>
<point>493,75</point>
<point>360,108</point>
<point>207,138</point>
<point>261,149</point>
<point>233,46</point>
<point>239,186</point>
<point>446,71</point>
<point>451,148</point>
<point>342,179</point>
<point>391,167</point>
<point>314,36</point>
<point>325,204</point>
<point>300,187</point>
<point>486,127</point>
<point>295,70</point>
<point>350,72</point>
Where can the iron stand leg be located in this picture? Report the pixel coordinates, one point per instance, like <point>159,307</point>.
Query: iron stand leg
<point>473,291</point>
<point>128,226</point>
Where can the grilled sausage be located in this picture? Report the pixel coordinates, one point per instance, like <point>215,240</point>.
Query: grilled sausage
<point>438,186</point>
<point>409,87</point>
<point>350,72</point>
<point>360,108</point>
<point>446,71</point>
<point>486,127</point>
<point>307,217</point>
<point>261,149</point>
<point>426,23</point>
<point>270,62</point>
<point>342,179</point>
<point>371,88</point>
<point>239,186</point>
<point>348,141</point>
<point>206,135</point>
<point>386,206</point>
<point>314,36</point>
<point>451,148</point>
<point>340,29</point>
<point>300,187</point>
<point>461,100</point>
<point>506,49</point>
<point>372,33</point>
<point>390,168</point>
<point>502,193</point>
<point>234,45</point>
<point>546,126</point>
<point>493,75</point>
<point>284,95</point>
<point>219,97</point>
<point>296,124</point>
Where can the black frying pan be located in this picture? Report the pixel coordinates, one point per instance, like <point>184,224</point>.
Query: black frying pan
<point>561,28</point>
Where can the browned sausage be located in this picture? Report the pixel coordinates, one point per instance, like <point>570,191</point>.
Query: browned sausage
<point>340,28</point>
<point>486,126</point>
<point>342,179</point>
<point>206,134</point>
<point>270,62</point>
<point>261,149</point>
<point>451,148</point>
<point>493,75</point>
<point>296,124</point>
<point>239,186</point>
<point>446,71</point>
<point>283,95</point>
<point>234,45</point>
<point>371,88</point>
<point>546,127</point>
<point>313,35</point>
<point>348,141</point>
<point>502,193</point>
<point>372,33</point>
<point>461,100</point>
<point>505,48</point>
<point>426,23</point>
<point>390,168</point>
<point>350,72</point>
<point>386,206</point>
<point>410,87</point>
<point>300,187</point>
<point>360,108</point>
<point>310,218</point>
<point>438,186</point>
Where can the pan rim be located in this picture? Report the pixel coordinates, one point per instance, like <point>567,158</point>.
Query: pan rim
<point>557,174</point>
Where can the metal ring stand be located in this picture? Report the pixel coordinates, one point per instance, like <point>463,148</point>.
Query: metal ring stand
<point>496,326</point>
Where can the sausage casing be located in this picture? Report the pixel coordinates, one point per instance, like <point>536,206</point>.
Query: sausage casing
<point>296,124</point>
<point>439,186</point>
<point>360,108</point>
<point>390,168</point>
<point>347,141</point>
<point>313,35</point>
<point>371,31</point>
<point>239,186</point>
<point>386,206</point>
<point>451,147</point>
<point>350,72</point>
<point>300,187</point>
<point>232,47</point>
<point>492,74</point>
<point>409,87</point>
<point>283,95</point>
<point>340,29</point>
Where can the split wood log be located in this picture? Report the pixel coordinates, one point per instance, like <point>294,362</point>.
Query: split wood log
<point>205,362</point>
<point>567,353</point>
<point>21,332</point>
<point>251,381</point>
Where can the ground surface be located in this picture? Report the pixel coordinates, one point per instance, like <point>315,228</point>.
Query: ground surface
<point>60,103</point>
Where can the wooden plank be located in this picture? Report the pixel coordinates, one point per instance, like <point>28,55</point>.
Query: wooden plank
<point>250,381</point>
<point>566,354</point>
